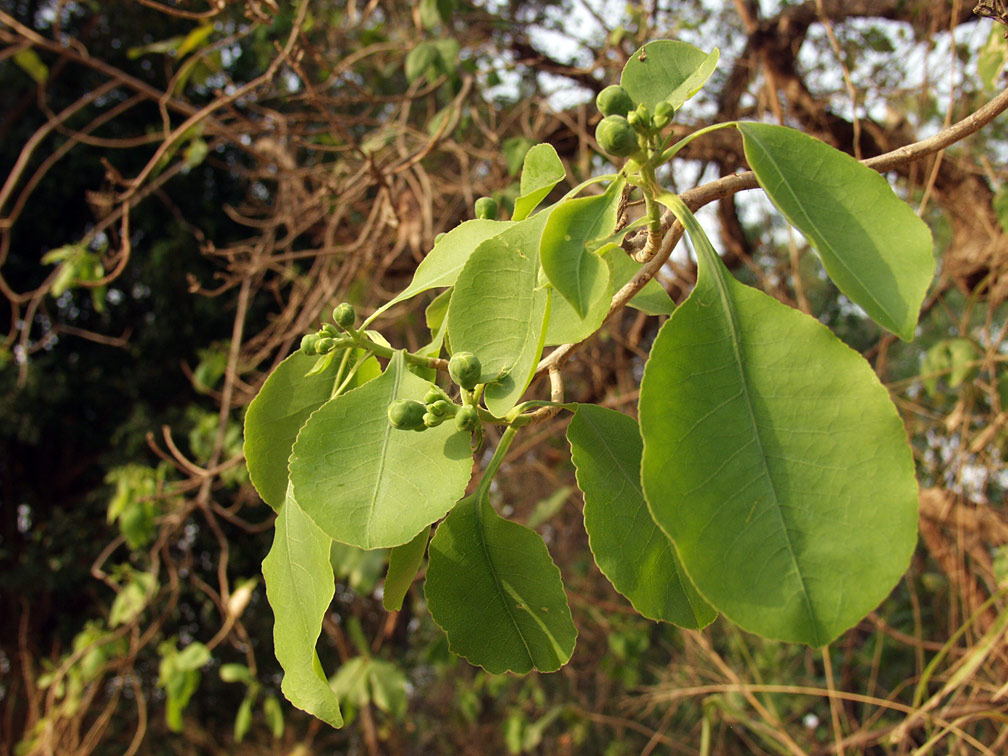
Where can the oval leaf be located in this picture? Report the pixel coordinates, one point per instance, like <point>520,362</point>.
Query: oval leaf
<point>299,587</point>
<point>494,311</point>
<point>276,415</point>
<point>404,561</point>
<point>495,591</point>
<point>629,547</point>
<point>666,70</point>
<point>368,484</point>
<point>873,246</point>
<point>774,459</point>
<point>575,271</point>
<point>541,171</point>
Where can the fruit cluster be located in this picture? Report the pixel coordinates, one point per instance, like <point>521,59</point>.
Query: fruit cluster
<point>627,127</point>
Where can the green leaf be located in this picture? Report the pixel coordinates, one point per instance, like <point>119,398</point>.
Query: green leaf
<point>235,673</point>
<point>514,150</point>
<point>368,484</point>
<point>299,587</point>
<point>564,326</point>
<point>629,547</point>
<point>404,561</point>
<point>1000,205</point>
<point>495,591</point>
<point>873,246</point>
<point>666,70</point>
<point>243,719</point>
<point>421,58</point>
<point>274,716</point>
<point>575,271</point>
<point>503,394</point>
<point>774,459</point>
<point>29,61</point>
<point>445,261</point>
<point>497,308</point>
<point>276,415</point>
<point>388,687</point>
<point>541,171</point>
<point>133,598</point>
<point>652,299</point>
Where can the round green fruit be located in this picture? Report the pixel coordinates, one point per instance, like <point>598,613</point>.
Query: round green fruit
<point>466,419</point>
<point>614,100</point>
<point>344,315</point>
<point>486,208</point>
<point>308,342</point>
<point>465,369</point>
<point>616,136</point>
<point>407,414</point>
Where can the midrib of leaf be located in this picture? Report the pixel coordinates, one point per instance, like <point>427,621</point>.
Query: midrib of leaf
<point>825,240</point>
<point>713,264</point>
<point>396,364</point>
<point>493,573</point>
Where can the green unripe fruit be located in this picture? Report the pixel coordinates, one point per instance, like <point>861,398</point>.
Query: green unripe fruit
<point>665,110</point>
<point>308,342</point>
<point>465,369</point>
<point>324,345</point>
<point>486,208</point>
<point>344,315</point>
<point>614,100</point>
<point>615,135</point>
<point>407,414</point>
<point>466,419</point>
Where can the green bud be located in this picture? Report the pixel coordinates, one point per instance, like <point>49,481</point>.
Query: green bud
<point>324,345</point>
<point>441,408</point>
<point>308,342</point>
<point>615,135</point>
<point>466,419</point>
<point>430,420</point>
<point>660,122</point>
<point>486,208</point>
<point>614,100</point>
<point>407,414</point>
<point>344,315</point>
<point>435,394</point>
<point>328,329</point>
<point>664,109</point>
<point>465,369</point>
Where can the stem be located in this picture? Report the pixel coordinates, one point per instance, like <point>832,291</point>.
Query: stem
<point>671,151</point>
<point>495,462</point>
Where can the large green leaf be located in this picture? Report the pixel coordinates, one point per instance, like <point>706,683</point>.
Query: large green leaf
<point>276,415</point>
<point>874,247</point>
<point>666,70</point>
<point>444,262</point>
<point>565,254</point>
<point>565,326</point>
<point>629,547</point>
<point>493,588</point>
<point>503,394</point>
<point>299,587</point>
<point>368,484</point>
<point>541,171</point>
<point>774,459</point>
<point>494,311</point>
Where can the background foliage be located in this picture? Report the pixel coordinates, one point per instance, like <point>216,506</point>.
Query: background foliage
<point>188,186</point>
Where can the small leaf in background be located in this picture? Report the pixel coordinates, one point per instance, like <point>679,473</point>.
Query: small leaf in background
<point>299,587</point>
<point>179,676</point>
<point>954,360</point>
<point>629,547</point>
<point>652,299</point>
<point>493,588</point>
<point>545,509</point>
<point>274,716</point>
<point>565,251</point>
<point>774,459</point>
<point>1000,204</point>
<point>541,170</point>
<point>873,246</point>
<point>132,597</point>
<point>388,687</point>
<point>667,71</point>
<point>404,561</point>
<point>231,673</point>
<point>420,59</point>
<point>351,471</point>
<point>514,150</point>
<point>29,61</point>
<point>992,59</point>
<point>243,719</point>
<point>435,12</point>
